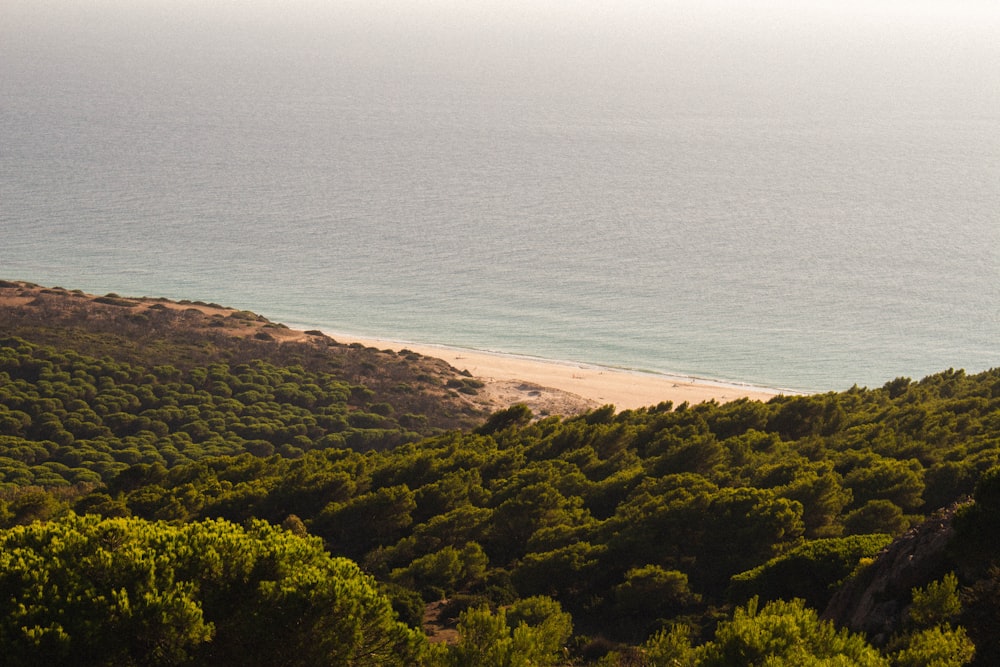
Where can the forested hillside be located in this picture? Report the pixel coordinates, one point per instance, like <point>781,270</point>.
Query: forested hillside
<point>694,535</point>
<point>184,337</point>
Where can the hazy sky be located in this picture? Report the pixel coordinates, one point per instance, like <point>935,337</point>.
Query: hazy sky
<point>830,51</point>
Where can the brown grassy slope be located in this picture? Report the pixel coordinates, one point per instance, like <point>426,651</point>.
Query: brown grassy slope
<point>154,331</point>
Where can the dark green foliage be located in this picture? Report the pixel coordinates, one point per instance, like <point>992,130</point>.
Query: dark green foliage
<point>633,522</point>
<point>156,332</point>
<point>84,591</point>
<point>574,509</point>
<point>938,646</point>
<point>532,631</point>
<point>810,571</point>
<point>651,593</point>
<point>785,633</point>
<point>876,516</point>
<point>64,414</point>
<point>516,415</point>
<point>981,613</point>
<point>978,524</point>
<point>976,555</point>
<point>447,571</point>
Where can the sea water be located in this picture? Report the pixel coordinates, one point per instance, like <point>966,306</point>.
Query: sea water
<point>803,195</point>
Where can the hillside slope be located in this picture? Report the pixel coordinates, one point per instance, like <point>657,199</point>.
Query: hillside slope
<point>153,331</point>
<point>695,533</point>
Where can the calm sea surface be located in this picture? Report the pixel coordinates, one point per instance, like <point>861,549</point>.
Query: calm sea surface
<point>802,194</point>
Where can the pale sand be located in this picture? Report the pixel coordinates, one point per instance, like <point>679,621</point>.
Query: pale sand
<point>511,379</point>
<point>547,387</point>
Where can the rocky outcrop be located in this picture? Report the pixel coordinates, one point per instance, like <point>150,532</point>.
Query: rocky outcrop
<point>876,600</point>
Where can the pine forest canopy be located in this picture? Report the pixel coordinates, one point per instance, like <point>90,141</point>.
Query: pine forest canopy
<point>137,445</point>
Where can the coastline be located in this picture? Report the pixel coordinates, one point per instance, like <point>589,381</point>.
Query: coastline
<point>511,378</point>
<point>548,387</point>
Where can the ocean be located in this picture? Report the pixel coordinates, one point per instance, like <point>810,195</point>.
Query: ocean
<point>802,195</point>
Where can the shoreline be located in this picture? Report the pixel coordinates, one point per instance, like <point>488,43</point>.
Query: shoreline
<point>547,386</point>
<point>512,378</point>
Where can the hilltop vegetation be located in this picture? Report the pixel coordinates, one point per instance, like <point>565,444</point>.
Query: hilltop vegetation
<point>708,534</point>
<point>142,334</point>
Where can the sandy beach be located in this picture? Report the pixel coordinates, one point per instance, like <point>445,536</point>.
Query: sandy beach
<point>565,387</point>
<point>547,387</point>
